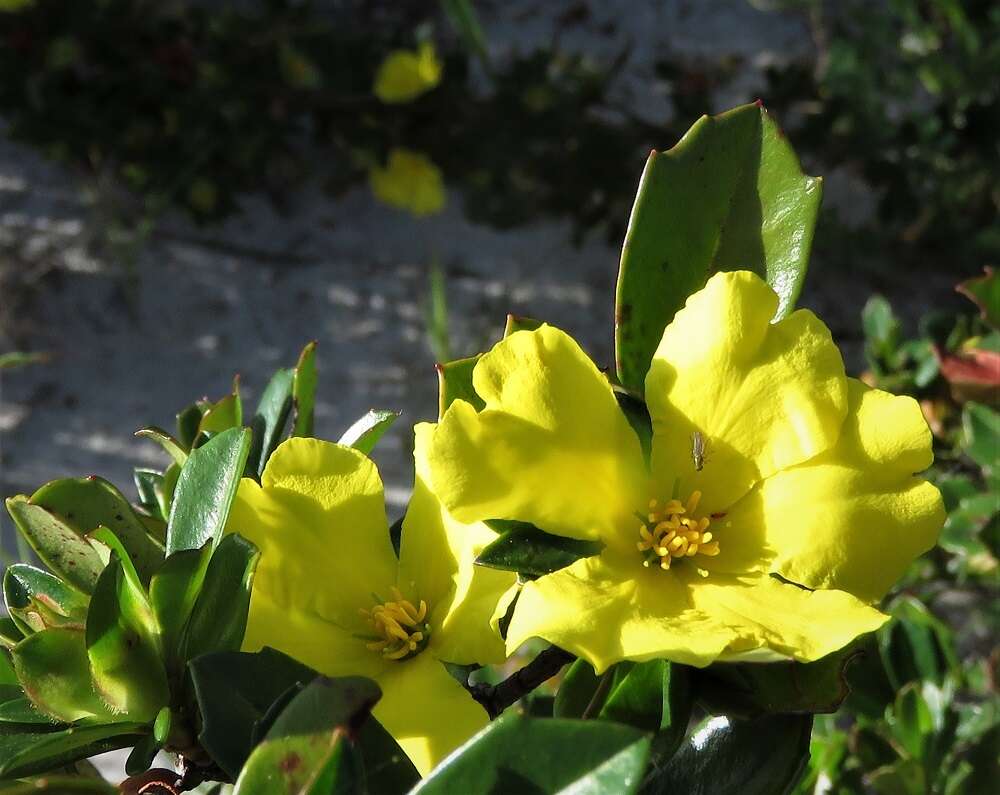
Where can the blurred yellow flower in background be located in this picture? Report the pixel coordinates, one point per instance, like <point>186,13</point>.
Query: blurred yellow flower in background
<point>409,181</point>
<point>406,74</point>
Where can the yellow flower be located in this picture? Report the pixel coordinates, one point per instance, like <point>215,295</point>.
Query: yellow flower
<point>404,75</point>
<point>778,504</point>
<point>330,591</point>
<point>409,182</point>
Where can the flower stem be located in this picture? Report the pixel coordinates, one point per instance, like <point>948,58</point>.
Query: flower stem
<point>496,698</point>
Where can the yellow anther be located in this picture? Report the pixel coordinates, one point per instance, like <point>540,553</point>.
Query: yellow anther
<point>672,532</point>
<point>399,626</point>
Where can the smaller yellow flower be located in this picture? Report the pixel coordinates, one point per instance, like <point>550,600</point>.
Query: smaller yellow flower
<point>404,75</point>
<point>410,181</point>
<point>330,591</point>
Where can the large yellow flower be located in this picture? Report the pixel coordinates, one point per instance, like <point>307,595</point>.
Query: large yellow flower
<point>778,504</point>
<point>331,592</point>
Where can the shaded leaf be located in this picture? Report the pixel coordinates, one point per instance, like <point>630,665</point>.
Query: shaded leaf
<point>984,291</point>
<point>524,548</point>
<point>543,755</point>
<point>176,450</point>
<point>455,383</point>
<point>24,754</point>
<point>173,592</point>
<point>269,420</point>
<point>310,750</point>
<point>304,392</point>
<point>517,323</point>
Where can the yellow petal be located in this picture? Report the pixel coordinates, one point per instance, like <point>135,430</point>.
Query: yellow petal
<point>764,396</point>
<point>436,563</point>
<point>784,618</point>
<point>855,517</point>
<point>606,613</point>
<point>409,181</point>
<point>308,638</point>
<point>405,75</point>
<point>428,712</point>
<point>551,447</point>
<point>319,521</point>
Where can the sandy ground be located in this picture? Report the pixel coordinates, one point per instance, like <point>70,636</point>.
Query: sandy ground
<point>244,297</point>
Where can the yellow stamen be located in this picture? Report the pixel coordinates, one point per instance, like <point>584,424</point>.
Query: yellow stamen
<point>672,532</point>
<point>399,626</point>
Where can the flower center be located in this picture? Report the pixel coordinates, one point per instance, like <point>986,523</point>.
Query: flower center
<point>400,629</point>
<point>671,533</point>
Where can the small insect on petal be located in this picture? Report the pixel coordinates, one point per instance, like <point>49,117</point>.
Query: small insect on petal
<point>698,450</point>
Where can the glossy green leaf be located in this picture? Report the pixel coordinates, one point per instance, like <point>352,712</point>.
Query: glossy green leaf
<point>309,750</point>
<point>234,691</point>
<point>524,548</point>
<point>24,754</point>
<point>53,668</point>
<point>205,490</point>
<point>981,431</point>
<point>269,420</point>
<point>764,756</point>
<point>59,545</point>
<point>173,592</point>
<point>21,710</point>
<point>219,618</point>
<point>655,696</point>
<point>455,383</point>
<point>88,503</point>
<point>729,196</point>
<point>35,599</point>
<point>304,392</point>
<point>520,754</point>
<point>166,441</point>
<point>749,689</point>
<point>124,646</point>
<point>364,434</point>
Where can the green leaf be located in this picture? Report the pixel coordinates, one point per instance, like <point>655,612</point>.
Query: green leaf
<point>984,291</point>
<point>309,750</point>
<point>882,329</point>
<point>729,196</point>
<point>166,441</point>
<point>524,548</point>
<point>219,618</point>
<point>749,689</point>
<point>304,392</point>
<point>205,490</point>
<point>519,754</point>
<point>124,647</point>
<point>364,434</point>
<point>36,600</point>
<point>88,503</point>
<point>637,414</point>
<point>53,668</point>
<point>576,690</point>
<point>223,414</point>
<point>146,483</point>
<point>21,710</point>
<point>59,785</point>
<point>764,756</point>
<point>905,777</point>
<point>517,323</point>
<point>655,696</point>
<point>455,383</point>
<point>14,359</point>
<point>24,754</point>
<point>59,545</point>
<point>915,645</point>
<point>463,18</point>
<point>10,636</point>
<point>173,592</point>
<point>269,419</point>
<point>981,432</point>
<point>388,770</point>
<point>188,422</point>
<point>234,691</point>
